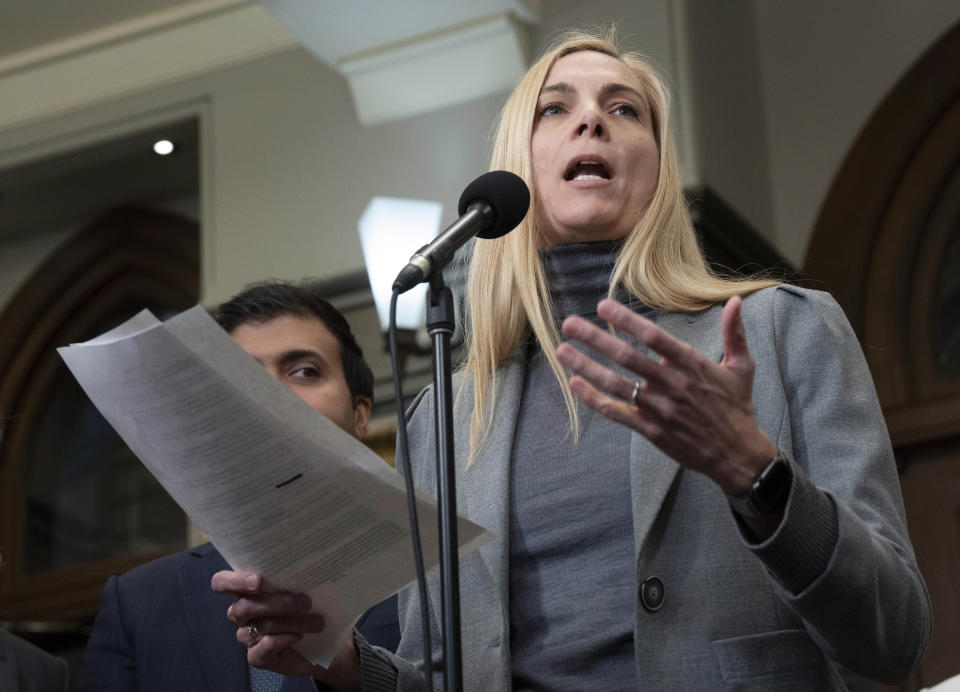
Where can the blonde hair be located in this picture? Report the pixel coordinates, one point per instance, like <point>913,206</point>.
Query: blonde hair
<point>660,262</point>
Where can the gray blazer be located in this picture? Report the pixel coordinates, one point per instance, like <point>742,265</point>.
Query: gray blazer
<point>729,618</point>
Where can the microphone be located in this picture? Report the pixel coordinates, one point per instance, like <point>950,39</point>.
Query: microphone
<point>490,206</point>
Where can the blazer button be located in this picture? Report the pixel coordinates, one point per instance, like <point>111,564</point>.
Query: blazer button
<point>651,594</point>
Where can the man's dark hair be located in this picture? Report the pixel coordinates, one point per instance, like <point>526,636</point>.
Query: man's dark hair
<point>261,302</point>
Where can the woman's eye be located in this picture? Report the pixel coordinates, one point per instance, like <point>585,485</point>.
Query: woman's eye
<point>550,109</point>
<point>627,110</point>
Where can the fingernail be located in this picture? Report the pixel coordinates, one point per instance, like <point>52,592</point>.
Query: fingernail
<point>252,581</point>
<point>303,602</point>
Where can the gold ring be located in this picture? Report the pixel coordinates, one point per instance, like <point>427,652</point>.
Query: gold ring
<point>254,632</point>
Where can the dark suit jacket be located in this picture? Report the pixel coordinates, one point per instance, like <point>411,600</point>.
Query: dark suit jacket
<point>162,628</point>
<point>27,668</point>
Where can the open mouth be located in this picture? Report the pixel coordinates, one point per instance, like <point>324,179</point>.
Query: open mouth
<point>587,169</point>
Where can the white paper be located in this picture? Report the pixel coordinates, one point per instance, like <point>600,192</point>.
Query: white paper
<point>277,487</point>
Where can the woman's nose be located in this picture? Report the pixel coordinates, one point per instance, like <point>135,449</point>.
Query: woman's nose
<point>590,124</point>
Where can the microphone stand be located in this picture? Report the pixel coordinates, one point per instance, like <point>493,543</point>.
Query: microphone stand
<point>440,325</point>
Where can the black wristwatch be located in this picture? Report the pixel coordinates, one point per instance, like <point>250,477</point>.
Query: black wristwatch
<point>769,491</point>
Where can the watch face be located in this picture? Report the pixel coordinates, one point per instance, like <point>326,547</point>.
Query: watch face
<point>769,492</point>
<point>772,487</point>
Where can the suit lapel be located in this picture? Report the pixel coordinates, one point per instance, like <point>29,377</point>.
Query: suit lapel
<point>225,661</point>
<point>652,472</point>
<point>484,489</point>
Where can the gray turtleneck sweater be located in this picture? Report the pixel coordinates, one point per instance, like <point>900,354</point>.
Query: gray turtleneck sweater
<point>572,573</point>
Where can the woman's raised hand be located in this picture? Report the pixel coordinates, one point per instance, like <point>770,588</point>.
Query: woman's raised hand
<point>695,410</point>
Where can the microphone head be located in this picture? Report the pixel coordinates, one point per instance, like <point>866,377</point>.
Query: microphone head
<point>507,195</point>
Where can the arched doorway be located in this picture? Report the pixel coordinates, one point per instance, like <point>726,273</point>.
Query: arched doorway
<point>887,244</point>
<point>75,505</point>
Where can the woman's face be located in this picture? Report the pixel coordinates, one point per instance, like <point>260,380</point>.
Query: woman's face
<point>595,157</point>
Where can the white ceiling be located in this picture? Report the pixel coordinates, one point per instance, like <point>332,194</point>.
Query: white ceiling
<point>334,29</point>
<point>27,24</point>
<point>331,28</point>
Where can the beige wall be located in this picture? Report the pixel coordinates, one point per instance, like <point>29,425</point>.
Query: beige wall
<point>287,169</point>
<point>729,122</point>
<point>824,67</point>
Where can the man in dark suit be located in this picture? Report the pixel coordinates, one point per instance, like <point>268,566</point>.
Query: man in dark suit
<point>160,626</point>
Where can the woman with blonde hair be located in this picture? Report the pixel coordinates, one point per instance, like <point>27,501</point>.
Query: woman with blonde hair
<point>723,514</point>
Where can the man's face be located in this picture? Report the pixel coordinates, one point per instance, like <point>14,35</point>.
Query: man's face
<point>303,354</point>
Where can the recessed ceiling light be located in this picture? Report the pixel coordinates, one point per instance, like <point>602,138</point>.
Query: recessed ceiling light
<point>163,147</point>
